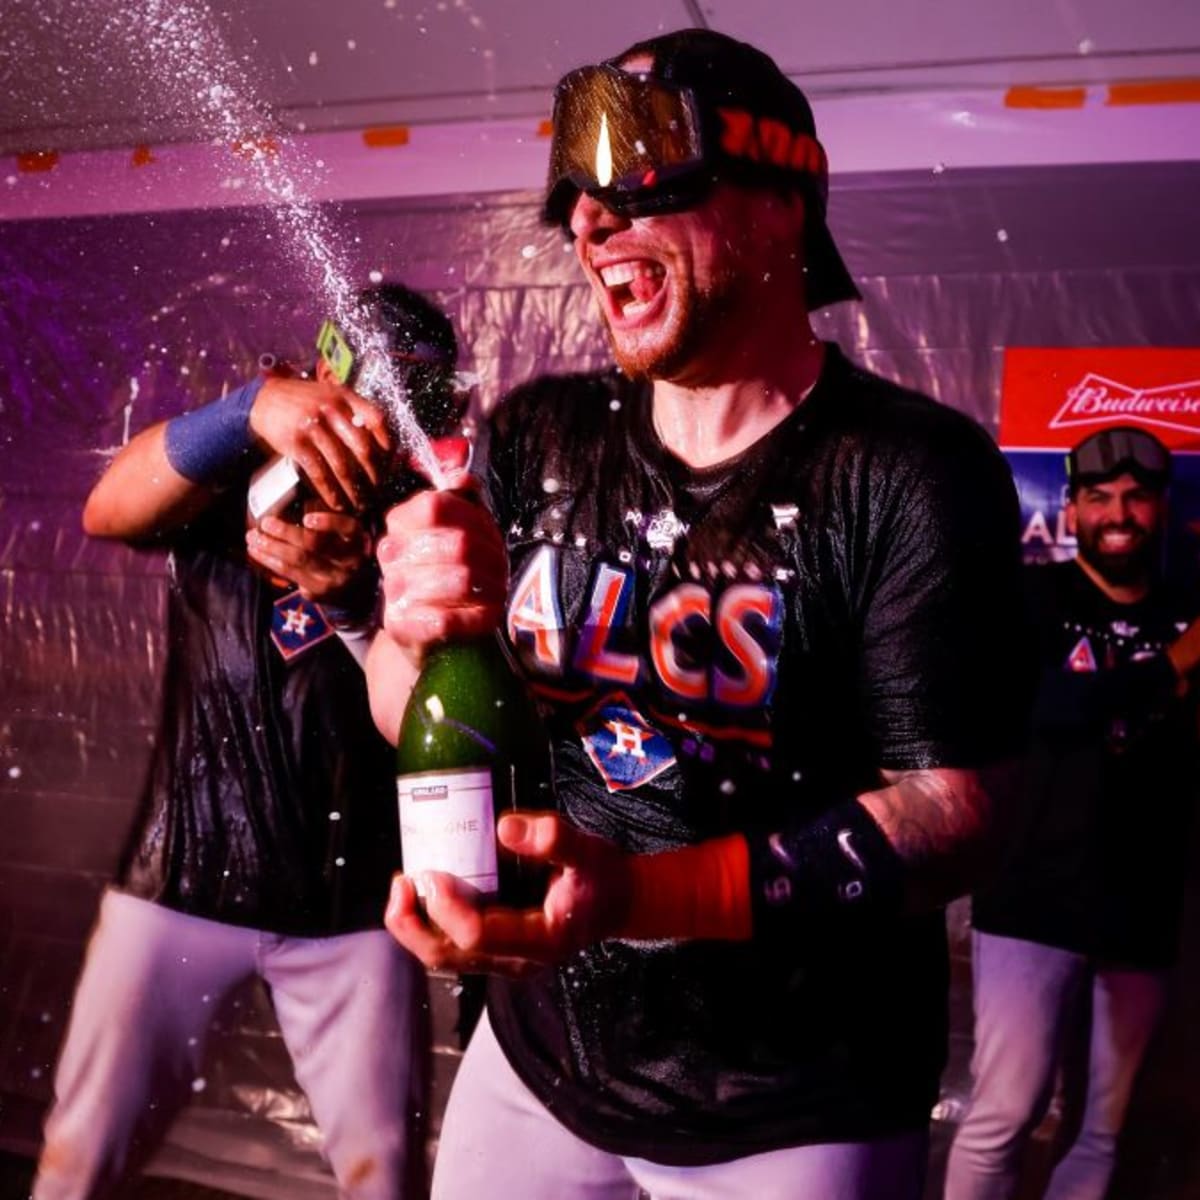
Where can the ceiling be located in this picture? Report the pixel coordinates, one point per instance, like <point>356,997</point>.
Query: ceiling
<point>88,74</point>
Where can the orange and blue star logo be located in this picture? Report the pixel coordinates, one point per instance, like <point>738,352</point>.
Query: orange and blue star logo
<point>297,625</point>
<point>624,747</point>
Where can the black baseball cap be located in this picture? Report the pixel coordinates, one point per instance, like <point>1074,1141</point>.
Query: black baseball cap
<point>709,107</point>
<point>417,330</point>
<point>423,350</point>
<point>1115,451</point>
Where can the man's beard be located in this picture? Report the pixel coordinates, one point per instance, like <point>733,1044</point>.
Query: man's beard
<point>1133,566</point>
<point>698,317</point>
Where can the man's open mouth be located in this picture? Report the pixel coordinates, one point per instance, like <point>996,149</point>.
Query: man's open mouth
<point>633,285</point>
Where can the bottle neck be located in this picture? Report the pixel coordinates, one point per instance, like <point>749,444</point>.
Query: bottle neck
<point>490,647</point>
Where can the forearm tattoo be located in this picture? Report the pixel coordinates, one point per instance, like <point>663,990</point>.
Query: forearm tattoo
<point>938,822</point>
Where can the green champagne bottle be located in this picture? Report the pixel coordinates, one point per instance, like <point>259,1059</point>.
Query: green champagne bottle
<point>472,746</point>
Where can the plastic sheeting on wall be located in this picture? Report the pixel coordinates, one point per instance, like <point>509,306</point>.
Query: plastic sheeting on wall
<point>108,324</point>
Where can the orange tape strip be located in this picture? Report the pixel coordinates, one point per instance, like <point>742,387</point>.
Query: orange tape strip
<point>1162,91</point>
<point>1044,97</point>
<point>545,128</point>
<point>142,156</point>
<point>37,160</point>
<point>251,147</point>
<point>385,135</point>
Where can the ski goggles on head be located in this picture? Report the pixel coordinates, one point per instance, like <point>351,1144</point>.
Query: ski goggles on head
<point>642,144</point>
<point>1111,451</point>
<point>632,141</point>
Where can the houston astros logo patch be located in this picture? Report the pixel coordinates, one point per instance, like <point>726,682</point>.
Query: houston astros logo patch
<point>297,625</point>
<point>625,748</point>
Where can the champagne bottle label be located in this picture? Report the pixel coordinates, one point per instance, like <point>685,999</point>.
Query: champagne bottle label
<point>447,823</point>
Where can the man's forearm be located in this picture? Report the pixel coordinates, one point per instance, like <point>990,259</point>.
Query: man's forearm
<point>907,847</point>
<point>390,678</point>
<point>939,822</point>
<point>141,494</point>
<point>170,472</point>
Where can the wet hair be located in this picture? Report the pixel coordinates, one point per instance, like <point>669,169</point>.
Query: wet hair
<point>416,327</point>
<point>414,324</point>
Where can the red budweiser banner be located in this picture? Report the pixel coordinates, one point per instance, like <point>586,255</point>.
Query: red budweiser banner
<point>1053,398</point>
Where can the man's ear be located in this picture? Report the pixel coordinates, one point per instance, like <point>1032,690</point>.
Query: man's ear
<point>325,372</point>
<point>1069,509</point>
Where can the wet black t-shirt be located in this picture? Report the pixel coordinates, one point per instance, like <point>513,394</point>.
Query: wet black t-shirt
<point>743,648</point>
<point>1098,853</point>
<point>270,799</point>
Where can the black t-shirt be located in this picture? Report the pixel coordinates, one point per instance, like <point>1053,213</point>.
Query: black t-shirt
<point>741,648</point>
<point>270,799</point>
<point>1097,859</point>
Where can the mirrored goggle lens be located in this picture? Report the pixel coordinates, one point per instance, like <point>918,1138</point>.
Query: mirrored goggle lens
<point>678,192</point>
<point>620,133</point>
<point>1110,449</point>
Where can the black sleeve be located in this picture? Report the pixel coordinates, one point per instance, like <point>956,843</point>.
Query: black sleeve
<point>943,675</point>
<point>506,429</point>
<point>219,528</point>
<point>945,671</point>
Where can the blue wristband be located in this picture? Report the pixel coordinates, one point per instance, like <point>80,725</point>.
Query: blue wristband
<point>206,444</point>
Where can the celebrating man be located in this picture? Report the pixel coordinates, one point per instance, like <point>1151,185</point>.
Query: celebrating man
<point>266,833</point>
<point>759,592</point>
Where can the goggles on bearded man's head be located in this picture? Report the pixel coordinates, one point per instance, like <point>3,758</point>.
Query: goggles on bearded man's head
<point>709,108</point>
<point>1115,451</point>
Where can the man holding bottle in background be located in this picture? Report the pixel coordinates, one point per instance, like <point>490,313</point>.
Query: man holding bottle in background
<point>764,599</point>
<point>267,833</point>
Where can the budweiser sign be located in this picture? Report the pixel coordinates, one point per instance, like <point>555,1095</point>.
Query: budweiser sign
<point>1053,397</point>
<point>1095,399</point>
